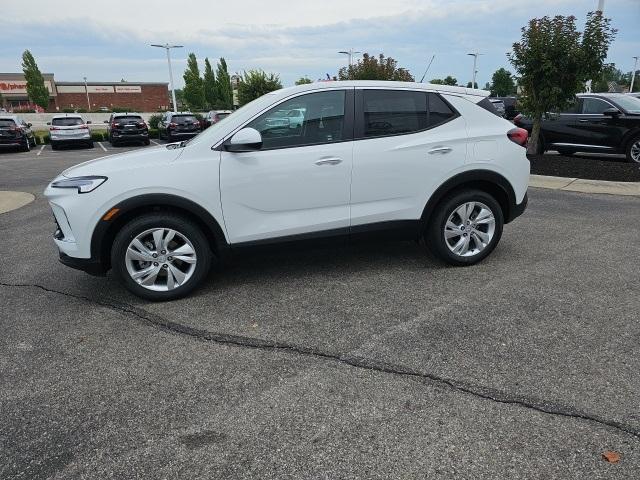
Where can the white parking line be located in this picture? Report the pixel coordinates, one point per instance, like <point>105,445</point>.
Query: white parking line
<point>40,151</point>
<point>154,142</point>
<point>102,146</point>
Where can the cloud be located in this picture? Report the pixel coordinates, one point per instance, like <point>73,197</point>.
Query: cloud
<point>291,38</point>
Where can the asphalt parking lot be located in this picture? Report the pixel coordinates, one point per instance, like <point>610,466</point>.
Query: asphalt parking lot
<point>368,361</point>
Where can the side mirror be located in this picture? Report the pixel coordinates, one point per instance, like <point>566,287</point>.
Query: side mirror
<point>106,121</point>
<point>48,123</point>
<point>29,125</point>
<point>88,122</point>
<point>245,140</point>
<point>611,112</point>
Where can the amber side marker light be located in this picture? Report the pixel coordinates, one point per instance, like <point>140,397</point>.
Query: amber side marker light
<point>109,215</point>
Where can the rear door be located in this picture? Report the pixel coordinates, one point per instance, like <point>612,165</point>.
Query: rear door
<point>406,140</point>
<point>595,129</point>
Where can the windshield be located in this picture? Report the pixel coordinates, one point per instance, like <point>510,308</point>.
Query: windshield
<point>67,121</point>
<point>6,122</point>
<point>629,103</point>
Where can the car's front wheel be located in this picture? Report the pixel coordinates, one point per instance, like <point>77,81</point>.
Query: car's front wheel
<point>465,228</point>
<point>161,256</point>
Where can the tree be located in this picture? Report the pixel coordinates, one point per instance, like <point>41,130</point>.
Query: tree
<point>256,83</point>
<point>193,90</point>
<point>224,93</point>
<point>475,85</point>
<point>502,83</point>
<point>209,85</point>
<point>372,68</point>
<point>303,81</point>
<point>448,80</point>
<point>36,90</point>
<point>554,60</point>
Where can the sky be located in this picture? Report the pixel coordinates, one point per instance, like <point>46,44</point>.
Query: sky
<point>293,38</point>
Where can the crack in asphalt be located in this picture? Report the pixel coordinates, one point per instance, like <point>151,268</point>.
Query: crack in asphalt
<point>485,393</point>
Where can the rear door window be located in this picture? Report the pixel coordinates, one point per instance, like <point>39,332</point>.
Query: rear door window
<point>7,123</point>
<point>67,121</point>
<point>594,106</point>
<point>399,112</point>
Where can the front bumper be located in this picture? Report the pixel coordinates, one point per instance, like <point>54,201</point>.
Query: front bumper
<point>88,265</point>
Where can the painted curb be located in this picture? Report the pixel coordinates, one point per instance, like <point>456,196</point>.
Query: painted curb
<point>585,186</point>
<point>13,200</point>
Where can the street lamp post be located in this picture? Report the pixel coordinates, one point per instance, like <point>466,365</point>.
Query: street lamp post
<point>350,53</point>
<point>168,47</point>
<point>86,89</point>
<point>475,64</point>
<point>633,73</point>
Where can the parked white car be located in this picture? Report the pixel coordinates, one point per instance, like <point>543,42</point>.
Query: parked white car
<point>422,161</point>
<point>69,129</point>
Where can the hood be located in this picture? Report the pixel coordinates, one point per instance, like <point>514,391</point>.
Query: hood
<point>145,157</point>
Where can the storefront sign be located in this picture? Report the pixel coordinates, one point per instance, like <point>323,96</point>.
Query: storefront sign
<point>18,87</point>
<point>128,89</point>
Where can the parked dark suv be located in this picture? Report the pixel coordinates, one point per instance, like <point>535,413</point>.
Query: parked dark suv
<point>178,126</point>
<point>603,122</point>
<point>127,127</point>
<point>15,132</point>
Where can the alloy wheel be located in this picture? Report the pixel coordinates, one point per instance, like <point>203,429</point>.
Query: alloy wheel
<point>635,151</point>
<point>161,259</point>
<point>469,229</point>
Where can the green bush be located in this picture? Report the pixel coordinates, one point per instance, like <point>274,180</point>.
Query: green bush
<point>81,110</point>
<point>42,136</point>
<point>153,133</point>
<point>99,136</point>
<point>154,120</point>
<point>115,109</point>
<point>68,110</point>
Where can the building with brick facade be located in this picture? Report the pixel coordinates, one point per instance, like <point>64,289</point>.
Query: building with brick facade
<point>92,96</point>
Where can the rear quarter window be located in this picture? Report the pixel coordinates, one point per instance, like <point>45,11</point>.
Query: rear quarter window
<point>488,106</point>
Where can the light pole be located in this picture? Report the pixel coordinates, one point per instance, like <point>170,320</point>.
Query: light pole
<point>86,89</point>
<point>633,74</point>
<point>350,53</point>
<point>475,64</point>
<point>168,47</point>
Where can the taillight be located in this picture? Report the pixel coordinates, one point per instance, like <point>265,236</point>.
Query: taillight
<point>53,128</point>
<point>83,127</point>
<point>518,135</point>
<point>114,125</point>
<point>142,124</point>
<point>173,125</point>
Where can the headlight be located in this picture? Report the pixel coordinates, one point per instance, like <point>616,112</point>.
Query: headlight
<point>82,184</point>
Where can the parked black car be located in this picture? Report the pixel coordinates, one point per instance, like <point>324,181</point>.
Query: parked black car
<point>214,116</point>
<point>510,107</point>
<point>603,122</point>
<point>178,126</point>
<point>15,132</point>
<point>127,127</point>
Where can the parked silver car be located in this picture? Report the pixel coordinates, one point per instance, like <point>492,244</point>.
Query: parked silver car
<point>69,129</point>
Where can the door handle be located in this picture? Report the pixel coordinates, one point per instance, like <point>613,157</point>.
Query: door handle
<point>440,150</point>
<point>329,161</point>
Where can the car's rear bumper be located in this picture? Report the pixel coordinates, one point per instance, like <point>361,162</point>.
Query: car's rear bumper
<point>517,209</point>
<point>130,137</point>
<point>12,143</point>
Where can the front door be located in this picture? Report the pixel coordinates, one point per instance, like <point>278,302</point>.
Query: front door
<point>299,181</point>
<point>595,129</point>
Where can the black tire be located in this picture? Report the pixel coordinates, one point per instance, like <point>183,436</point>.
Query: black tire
<point>27,145</point>
<point>630,145</point>
<point>90,144</point>
<point>54,146</point>
<point>161,220</point>
<point>435,230</point>
<point>566,151</point>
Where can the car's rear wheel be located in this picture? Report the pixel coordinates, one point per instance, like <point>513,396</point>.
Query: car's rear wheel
<point>27,145</point>
<point>465,227</point>
<point>161,256</point>
<point>633,150</point>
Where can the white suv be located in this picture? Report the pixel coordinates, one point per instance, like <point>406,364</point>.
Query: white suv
<point>423,161</point>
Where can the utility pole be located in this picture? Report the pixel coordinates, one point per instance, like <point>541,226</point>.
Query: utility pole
<point>86,89</point>
<point>601,5</point>
<point>350,53</point>
<point>475,64</point>
<point>168,47</point>
<point>633,73</point>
